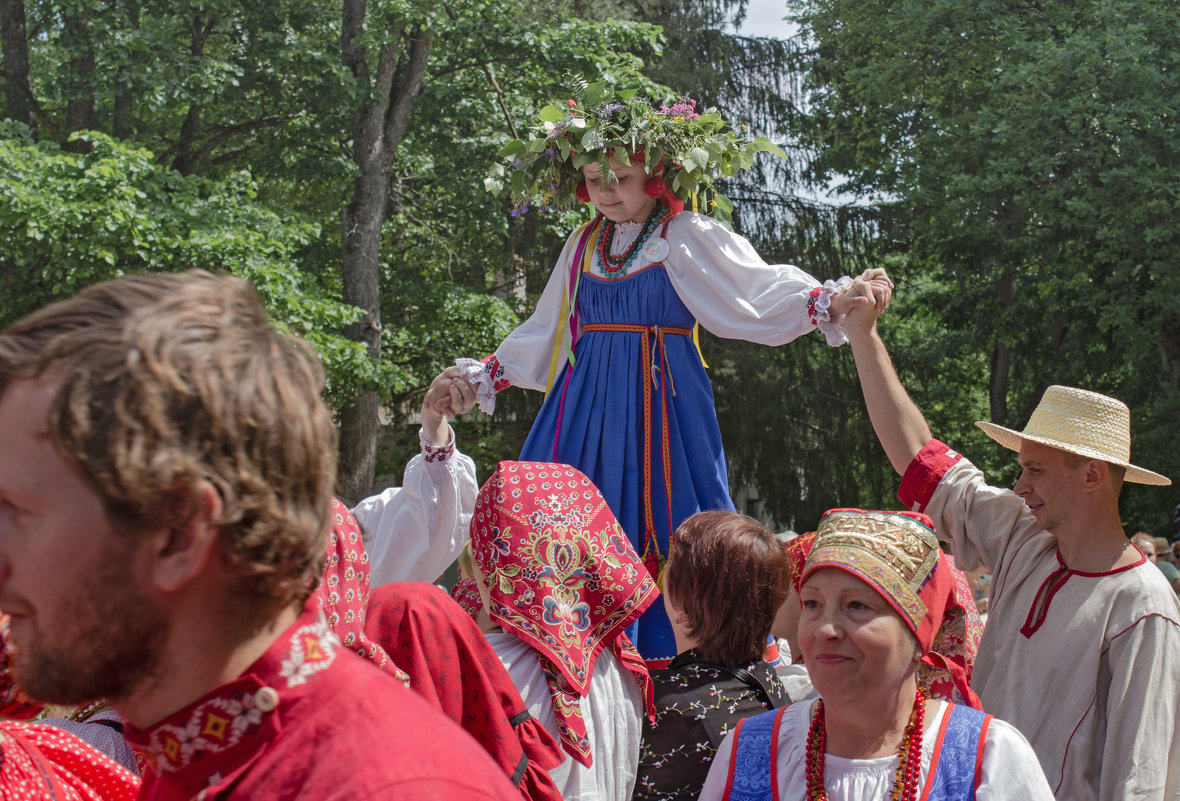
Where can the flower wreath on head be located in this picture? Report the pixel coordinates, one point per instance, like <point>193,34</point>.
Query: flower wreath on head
<point>692,148</point>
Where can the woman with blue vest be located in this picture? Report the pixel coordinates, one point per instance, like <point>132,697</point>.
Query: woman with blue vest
<point>879,620</point>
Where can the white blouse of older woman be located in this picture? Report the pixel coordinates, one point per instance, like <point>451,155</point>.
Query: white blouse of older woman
<point>863,660</point>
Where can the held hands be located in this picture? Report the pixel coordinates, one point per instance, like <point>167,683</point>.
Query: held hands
<point>448,396</point>
<point>873,287</point>
<point>862,319</point>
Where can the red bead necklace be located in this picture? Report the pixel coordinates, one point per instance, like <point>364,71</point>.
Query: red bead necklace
<point>615,266</point>
<point>909,754</point>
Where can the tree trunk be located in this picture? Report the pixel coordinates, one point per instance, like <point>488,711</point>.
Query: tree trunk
<point>1169,345</point>
<point>1001,365</point>
<point>377,128</point>
<point>1010,217</point>
<point>186,160</point>
<point>123,124</point>
<point>18,95</point>
<point>80,83</point>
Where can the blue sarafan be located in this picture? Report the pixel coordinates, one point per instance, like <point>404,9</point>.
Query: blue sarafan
<point>604,428</point>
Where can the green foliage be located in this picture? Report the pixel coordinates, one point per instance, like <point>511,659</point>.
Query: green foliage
<point>600,124</point>
<point>72,219</point>
<point>1018,158</point>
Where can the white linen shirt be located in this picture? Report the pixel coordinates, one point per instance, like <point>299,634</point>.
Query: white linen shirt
<point>415,531</point>
<point>1094,687</point>
<point>612,709</point>
<point>1009,772</point>
<point>717,274</point>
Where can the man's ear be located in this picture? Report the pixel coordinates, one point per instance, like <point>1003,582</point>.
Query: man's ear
<point>189,540</point>
<point>1096,473</point>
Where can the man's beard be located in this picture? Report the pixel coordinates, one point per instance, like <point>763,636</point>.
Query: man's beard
<point>112,645</point>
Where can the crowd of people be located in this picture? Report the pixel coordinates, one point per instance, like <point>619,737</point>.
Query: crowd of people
<point>189,612</point>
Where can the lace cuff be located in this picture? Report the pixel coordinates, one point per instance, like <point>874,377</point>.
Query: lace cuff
<point>487,377</point>
<point>437,453</point>
<point>818,304</point>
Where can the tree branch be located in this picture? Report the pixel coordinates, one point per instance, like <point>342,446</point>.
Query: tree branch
<point>487,70</point>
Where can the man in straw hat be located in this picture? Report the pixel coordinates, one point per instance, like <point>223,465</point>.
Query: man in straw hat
<point>1082,646</point>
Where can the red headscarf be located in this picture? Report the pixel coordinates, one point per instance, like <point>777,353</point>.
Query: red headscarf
<point>14,704</point>
<point>897,554</point>
<point>452,666</point>
<point>563,577</point>
<point>344,591</point>
<point>41,761</point>
<point>797,550</point>
<point>466,594</point>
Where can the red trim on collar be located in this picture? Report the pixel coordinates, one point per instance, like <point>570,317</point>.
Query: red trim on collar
<point>1123,569</point>
<point>1039,610</point>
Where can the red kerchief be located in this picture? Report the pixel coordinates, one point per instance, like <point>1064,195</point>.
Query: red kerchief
<point>344,590</point>
<point>563,577</point>
<point>40,761</point>
<point>466,594</point>
<point>797,550</point>
<point>452,666</point>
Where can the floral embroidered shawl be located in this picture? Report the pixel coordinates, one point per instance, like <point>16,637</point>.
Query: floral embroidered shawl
<point>563,577</point>
<point>452,665</point>
<point>466,594</point>
<point>897,554</point>
<point>343,592</point>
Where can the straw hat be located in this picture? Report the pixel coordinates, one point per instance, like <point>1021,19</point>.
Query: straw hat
<point>1083,423</point>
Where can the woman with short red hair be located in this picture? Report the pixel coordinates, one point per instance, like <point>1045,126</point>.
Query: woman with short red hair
<point>726,576</point>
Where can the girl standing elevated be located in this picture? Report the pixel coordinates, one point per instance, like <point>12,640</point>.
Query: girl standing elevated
<point>613,338</point>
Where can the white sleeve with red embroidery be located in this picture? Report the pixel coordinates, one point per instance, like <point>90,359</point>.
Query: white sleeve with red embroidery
<point>523,358</point>
<point>414,532</point>
<point>735,294</point>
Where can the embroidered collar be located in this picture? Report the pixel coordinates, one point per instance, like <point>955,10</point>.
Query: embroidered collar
<point>204,747</point>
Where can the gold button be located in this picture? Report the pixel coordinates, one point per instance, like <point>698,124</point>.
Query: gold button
<point>266,699</point>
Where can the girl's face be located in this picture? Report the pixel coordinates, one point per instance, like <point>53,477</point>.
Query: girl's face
<point>852,639</point>
<point>623,198</point>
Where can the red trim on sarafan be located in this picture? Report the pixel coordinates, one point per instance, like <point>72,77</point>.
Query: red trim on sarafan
<point>733,758</point>
<point>778,719</point>
<point>937,751</point>
<point>987,719</point>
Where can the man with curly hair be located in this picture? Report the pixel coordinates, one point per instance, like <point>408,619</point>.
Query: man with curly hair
<point>165,495</point>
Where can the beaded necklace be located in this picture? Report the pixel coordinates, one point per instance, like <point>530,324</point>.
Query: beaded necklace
<point>82,714</point>
<point>909,754</point>
<point>617,266</point>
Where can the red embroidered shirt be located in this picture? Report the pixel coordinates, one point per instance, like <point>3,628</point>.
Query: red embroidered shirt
<point>310,719</point>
